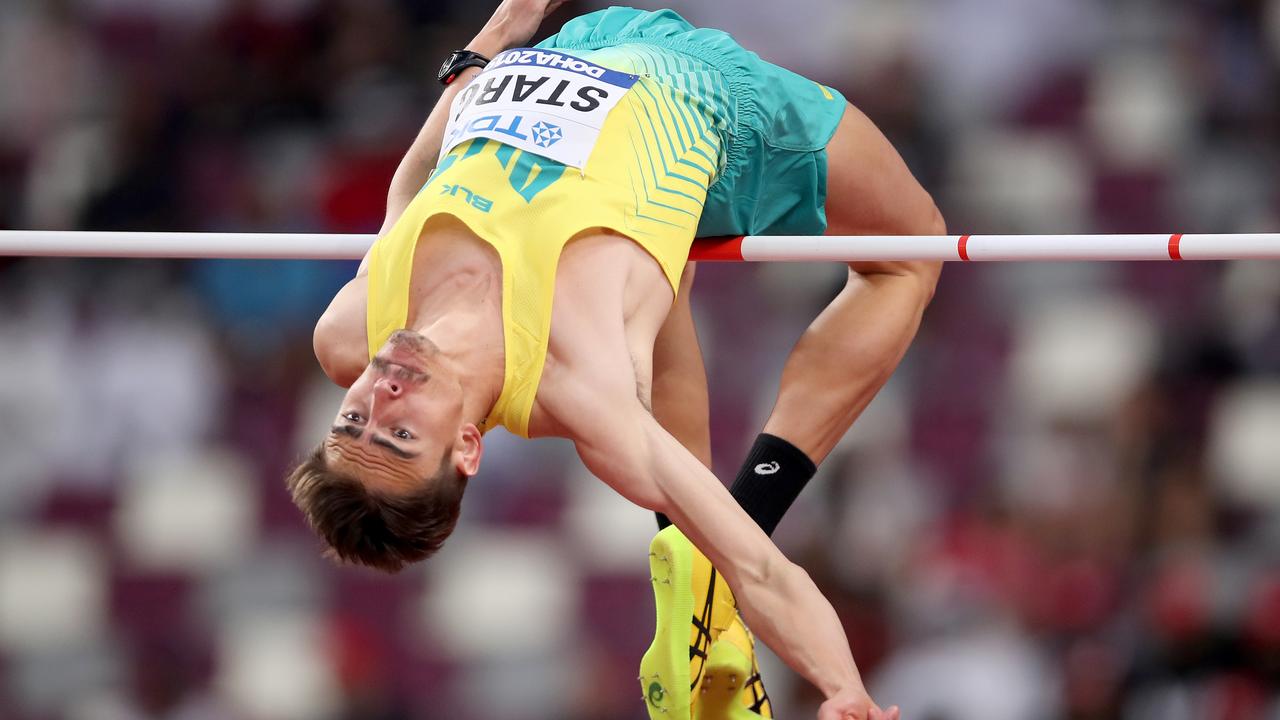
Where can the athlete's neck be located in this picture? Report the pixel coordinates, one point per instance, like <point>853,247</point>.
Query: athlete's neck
<point>456,303</point>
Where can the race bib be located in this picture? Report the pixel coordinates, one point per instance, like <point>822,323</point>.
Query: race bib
<point>540,101</point>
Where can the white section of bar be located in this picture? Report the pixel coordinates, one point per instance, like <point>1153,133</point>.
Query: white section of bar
<point>802,248</point>
<point>1255,246</point>
<point>1010,247</point>
<point>1069,247</point>
<point>300,246</point>
<point>755,248</point>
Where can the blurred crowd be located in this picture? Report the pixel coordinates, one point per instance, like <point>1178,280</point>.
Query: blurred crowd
<point>1064,506</point>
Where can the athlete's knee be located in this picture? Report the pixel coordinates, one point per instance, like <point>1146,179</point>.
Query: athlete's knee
<point>918,214</point>
<point>932,222</point>
<point>928,272</point>
<point>923,274</point>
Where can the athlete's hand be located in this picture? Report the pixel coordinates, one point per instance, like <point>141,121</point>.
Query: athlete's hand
<point>854,704</point>
<point>515,21</point>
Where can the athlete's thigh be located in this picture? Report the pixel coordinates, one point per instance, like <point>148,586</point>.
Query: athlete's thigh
<point>869,188</point>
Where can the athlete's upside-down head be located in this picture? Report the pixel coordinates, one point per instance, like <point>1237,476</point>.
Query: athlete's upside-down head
<point>384,489</point>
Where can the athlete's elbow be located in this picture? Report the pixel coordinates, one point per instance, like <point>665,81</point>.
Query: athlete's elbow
<point>621,466</point>
<point>764,568</point>
<point>333,356</point>
<point>931,221</point>
<point>923,274</point>
<point>790,583</point>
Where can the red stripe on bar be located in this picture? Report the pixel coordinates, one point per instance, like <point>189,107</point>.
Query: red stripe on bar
<point>962,248</point>
<point>717,249</point>
<point>1175,252</point>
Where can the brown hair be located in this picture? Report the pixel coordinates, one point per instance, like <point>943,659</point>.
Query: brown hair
<point>371,528</point>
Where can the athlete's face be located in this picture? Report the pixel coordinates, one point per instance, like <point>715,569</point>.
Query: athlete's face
<point>400,417</point>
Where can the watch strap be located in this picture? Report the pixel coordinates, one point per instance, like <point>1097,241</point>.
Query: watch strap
<point>458,61</point>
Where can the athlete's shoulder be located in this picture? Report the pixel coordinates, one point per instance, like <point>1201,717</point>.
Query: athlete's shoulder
<point>339,338</point>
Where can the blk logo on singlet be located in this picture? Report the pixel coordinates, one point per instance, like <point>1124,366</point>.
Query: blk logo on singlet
<point>482,204</point>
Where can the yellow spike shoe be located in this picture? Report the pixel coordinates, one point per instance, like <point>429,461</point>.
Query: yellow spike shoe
<point>694,605</point>
<point>731,685</point>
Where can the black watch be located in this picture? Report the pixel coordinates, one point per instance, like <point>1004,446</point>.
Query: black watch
<point>460,60</point>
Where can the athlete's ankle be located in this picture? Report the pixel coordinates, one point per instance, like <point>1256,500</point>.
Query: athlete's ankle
<point>771,479</point>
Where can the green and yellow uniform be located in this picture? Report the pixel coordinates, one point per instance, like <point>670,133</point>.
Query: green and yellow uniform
<point>709,140</point>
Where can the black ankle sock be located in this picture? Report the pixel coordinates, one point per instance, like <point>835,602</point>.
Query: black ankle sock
<point>771,479</point>
<point>766,496</point>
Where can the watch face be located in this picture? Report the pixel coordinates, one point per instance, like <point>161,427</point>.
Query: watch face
<point>444,69</point>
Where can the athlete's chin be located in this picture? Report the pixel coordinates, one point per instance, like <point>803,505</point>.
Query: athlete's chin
<point>408,349</point>
<point>408,340</point>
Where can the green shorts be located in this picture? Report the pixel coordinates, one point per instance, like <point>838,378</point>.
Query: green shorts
<point>774,124</point>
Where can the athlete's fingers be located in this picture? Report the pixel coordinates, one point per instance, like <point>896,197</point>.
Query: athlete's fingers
<point>893,713</point>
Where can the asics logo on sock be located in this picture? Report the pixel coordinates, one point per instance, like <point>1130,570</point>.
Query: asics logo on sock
<point>768,468</point>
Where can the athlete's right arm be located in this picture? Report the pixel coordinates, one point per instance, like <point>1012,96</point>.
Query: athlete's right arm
<point>680,401</point>
<point>624,446</point>
<point>512,25</point>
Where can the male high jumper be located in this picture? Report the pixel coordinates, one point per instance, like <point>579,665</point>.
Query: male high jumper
<point>532,273</point>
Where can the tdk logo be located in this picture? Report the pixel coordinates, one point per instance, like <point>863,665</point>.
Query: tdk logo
<point>548,59</point>
<point>494,123</point>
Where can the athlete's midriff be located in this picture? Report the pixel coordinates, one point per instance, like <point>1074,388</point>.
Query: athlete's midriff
<point>644,179</point>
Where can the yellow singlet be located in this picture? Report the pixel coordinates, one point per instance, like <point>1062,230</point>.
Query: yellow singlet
<point>646,178</point>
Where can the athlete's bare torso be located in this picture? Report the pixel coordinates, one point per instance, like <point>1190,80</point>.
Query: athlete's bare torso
<point>611,298</point>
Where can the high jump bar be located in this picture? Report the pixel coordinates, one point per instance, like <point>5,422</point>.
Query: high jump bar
<point>752,248</point>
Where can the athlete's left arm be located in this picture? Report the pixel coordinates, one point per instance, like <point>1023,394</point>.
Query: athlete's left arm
<point>623,445</point>
<point>513,23</point>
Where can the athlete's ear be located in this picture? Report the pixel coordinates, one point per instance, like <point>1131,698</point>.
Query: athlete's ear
<point>468,449</point>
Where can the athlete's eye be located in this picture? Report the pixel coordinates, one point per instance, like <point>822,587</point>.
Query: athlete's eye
<point>401,434</point>
<point>352,416</point>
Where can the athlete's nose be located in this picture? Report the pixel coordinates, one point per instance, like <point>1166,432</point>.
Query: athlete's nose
<point>388,387</point>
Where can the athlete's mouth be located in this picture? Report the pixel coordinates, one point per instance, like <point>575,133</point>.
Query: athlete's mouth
<point>405,372</point>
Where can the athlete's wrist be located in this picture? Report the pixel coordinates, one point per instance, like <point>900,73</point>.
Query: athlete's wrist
<point>839,678</point>
<point>845,688</point>
<point>490,41</point>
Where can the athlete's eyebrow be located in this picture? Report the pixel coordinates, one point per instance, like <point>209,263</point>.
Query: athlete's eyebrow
<point>395,449</point>
<point>349,430</point>
<point>356,433</point>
